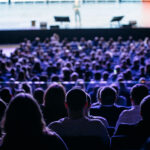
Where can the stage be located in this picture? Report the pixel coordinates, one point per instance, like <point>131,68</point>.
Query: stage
<point>93,15</point>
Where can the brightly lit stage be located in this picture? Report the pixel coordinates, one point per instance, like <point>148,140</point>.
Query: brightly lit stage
<point>93,15</point>
<point>15,20</point>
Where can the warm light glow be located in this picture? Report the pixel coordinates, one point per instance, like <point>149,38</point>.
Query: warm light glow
<point>146,14</point>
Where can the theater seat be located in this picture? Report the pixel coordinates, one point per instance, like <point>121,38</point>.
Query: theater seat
<point>85,143</point>
<point>111,131</point>
<point>121,142</point>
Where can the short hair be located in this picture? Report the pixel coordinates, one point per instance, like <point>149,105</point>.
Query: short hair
<point>138,92</point>
<point>38,95</point>
<point>5,94</point>
<point>27,88</point>
<point>105,75</point>
<point>54,95</point>
<point>76,99</point>
<point>108,95</point>
<point>97,75</point>
<point>145,108</point>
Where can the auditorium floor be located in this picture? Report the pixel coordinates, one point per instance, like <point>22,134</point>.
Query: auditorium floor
<point>93,15</point>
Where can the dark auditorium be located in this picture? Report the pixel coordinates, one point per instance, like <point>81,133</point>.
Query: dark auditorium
<point>75,74</point>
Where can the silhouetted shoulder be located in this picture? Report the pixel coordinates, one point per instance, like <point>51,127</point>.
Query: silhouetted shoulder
<point>124,129</point>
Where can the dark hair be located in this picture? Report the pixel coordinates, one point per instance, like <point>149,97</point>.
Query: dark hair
<point>54,93</point>
<point>108,95</point>
<point>145,108</point>
<point>23,116</point>
<point>54,98</point>
<point>105,75</point>
<point>97,75</point>
<point>5,94</point>
<point>138,92</point>
<point>76,99</point>
<point>21,76</point>
<point>55,78</point>
<point>38,95</point>
<point>27,88</point>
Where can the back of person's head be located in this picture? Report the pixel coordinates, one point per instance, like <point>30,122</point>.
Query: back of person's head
<point>27,88</point>
<point>43,78</point>
<point>5,94</point>
<point>66,74</point>
<point>74,76</point>
<point>97,76</point>
<point>23,116</point>
<point>105,75</point>
<point>54,95</point>
<point>117,68</point>
<point>76,99</point>
<point>107,95</point>
<point>138,92</point>
<point>145,108</point>
<point>21,76</point>
<point>55,78</point>
<point>38,95</point>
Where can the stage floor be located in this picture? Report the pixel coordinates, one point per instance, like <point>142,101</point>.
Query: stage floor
<point>93,15</point>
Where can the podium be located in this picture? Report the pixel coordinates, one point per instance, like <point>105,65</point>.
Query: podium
<point>117,19</point>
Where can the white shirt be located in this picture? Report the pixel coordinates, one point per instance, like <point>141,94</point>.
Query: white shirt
<point>131,116</point>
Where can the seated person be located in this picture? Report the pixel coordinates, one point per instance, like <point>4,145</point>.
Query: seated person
<point>87,113</point>
<point>54,107</point>
<point>107,108</point>
<point>77,124</point>
<point>140,131</point>
<point>24,127</point>
<point>132,116</point>
<point>121,100</point>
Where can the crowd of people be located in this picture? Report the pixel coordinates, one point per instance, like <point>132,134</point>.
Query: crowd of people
<point>57,89</point>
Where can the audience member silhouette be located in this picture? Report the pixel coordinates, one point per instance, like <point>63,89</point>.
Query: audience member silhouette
<point>77,124</point>
<point>54,98</point>
<point>87,112</point>
<point>5,94</point>
<point>132,116</point>
<point>38,94</point>
<point>24,127</point>
<point>27,88</point>
<point>106,107</point>
<point>138,132</point>
<point>121,100</point>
